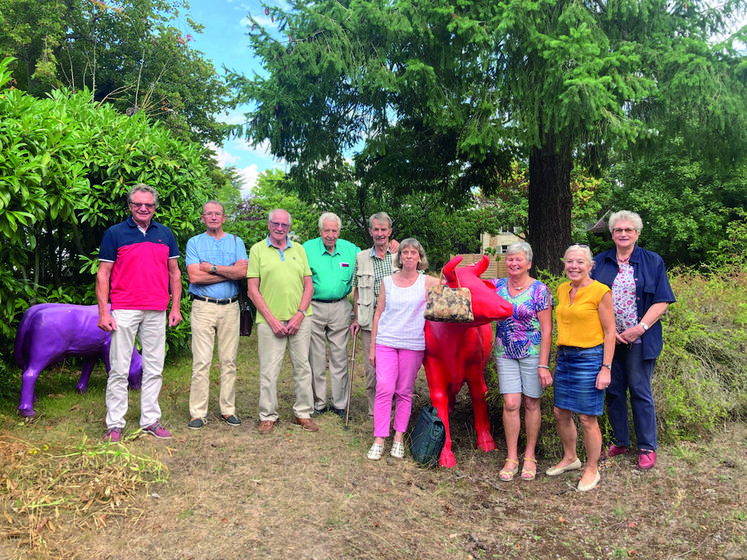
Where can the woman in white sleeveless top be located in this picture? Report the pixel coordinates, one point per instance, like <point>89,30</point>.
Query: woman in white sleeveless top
<point>399,335</point>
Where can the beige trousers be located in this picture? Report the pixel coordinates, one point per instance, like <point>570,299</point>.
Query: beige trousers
<point>210,321</point>
<point>271,353</point>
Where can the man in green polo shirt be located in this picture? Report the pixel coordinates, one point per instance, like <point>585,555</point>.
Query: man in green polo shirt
<point>279,284</point>
<point>331,261</point>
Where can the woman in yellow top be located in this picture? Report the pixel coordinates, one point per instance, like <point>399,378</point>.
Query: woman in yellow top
<point>586,343</point>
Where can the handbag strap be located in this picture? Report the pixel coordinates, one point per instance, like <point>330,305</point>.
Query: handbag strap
<point>441,278</point>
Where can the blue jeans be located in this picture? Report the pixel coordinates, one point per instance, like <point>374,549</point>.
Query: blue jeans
<point>631,373</point>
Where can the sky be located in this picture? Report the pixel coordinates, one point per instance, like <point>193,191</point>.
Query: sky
<point>224,41</point>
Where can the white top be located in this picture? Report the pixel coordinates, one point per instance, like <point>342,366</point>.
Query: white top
<point>402,324</point>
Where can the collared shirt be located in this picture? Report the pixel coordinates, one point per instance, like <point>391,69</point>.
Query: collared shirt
<point>382,267</point>
<point>332,273</point>
<point>140,275</point>
<point>651,286</point>
<point>222,252</point>
<point>281,273</point>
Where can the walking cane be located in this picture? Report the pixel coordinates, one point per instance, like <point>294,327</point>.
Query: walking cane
<point>350,384</point>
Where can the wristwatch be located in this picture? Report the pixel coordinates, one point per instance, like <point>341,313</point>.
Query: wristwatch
<point>302,312</point>
<point>213,269</point>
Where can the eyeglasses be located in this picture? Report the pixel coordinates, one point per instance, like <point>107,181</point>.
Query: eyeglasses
<point>280,225</point>
<point>627,230</point>
<point>213,214</point>
<point>148,205</point>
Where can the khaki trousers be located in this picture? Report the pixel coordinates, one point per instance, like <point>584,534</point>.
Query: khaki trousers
<point>370,371</point>
<point>210,321</point>
<point>330,322</point>
<point>271,352</point>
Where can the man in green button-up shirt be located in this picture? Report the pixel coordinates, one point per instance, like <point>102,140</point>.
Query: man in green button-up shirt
<point>331,261</point>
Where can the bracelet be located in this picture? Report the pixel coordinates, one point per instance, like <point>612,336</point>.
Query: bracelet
<point>644,325</point>
<point>608,366</point>
<point>543,367</point>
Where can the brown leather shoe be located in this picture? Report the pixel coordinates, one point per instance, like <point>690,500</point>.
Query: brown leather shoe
<point>266,426</point>
<point>307,424</point>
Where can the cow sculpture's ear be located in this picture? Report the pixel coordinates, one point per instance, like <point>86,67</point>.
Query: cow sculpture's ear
<point>489,284</point>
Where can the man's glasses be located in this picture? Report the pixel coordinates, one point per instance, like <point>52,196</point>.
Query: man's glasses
<point>148,205</point>
<point>213,214</point>
<point>280,225</point>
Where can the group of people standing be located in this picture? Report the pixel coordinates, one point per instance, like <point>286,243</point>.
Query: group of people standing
<point>608,340</point>
<point>607,314</point>
<point>300,293</point>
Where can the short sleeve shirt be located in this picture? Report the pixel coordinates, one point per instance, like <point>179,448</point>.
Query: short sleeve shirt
<point>281,274</point>
<point>578,322</point>
<point>140,275</point>
<point>519,336</point>
<point>222,252</point>
<point>332,274</point>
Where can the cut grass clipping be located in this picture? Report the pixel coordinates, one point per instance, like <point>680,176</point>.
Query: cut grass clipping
<point>90,483</point>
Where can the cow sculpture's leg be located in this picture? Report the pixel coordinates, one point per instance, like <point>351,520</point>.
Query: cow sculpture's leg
<point>85,375</point>
<point>28,380</point>
<point>478,390</point>
<point>438,385</point>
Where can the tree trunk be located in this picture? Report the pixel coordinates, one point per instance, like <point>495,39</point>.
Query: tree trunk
<point>550,204</point>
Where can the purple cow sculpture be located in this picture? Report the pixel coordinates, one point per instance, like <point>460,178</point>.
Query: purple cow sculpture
<point>455,353</point>
<point>50,332</point>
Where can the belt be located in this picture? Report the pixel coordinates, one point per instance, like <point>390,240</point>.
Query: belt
<point>330,300</point>
<point>224,301</point>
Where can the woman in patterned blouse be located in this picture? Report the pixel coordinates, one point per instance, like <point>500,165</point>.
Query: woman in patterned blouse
<point>522,353</point>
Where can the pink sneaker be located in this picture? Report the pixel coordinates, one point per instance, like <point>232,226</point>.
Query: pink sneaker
<point>646,459</point>
<point>113,435</point>
<point>615,450</point>
<point>157,430</point>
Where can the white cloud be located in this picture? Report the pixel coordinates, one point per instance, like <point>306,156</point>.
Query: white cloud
<point>249,179</point>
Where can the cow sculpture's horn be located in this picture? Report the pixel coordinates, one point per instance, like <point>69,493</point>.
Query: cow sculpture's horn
<point>448,271</point>
<point>482,266</point>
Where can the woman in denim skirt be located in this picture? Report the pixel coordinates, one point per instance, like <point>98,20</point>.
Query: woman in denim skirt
<point>586,344</point>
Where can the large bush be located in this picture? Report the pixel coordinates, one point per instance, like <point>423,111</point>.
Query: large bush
<point>66,165</point>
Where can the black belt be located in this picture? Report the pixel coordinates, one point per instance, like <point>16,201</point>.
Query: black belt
<point>330,300</point>
<point>224,301</point>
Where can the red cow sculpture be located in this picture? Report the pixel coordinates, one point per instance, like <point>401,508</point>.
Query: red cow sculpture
<point>456,353</point>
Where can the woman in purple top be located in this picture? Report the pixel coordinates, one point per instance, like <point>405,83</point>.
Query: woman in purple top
<point>522,356</point>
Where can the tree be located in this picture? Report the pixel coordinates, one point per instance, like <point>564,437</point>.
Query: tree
<point>64,179</point>
<point>128,54</point>
<point>435,97</point>
<point>685,206</point>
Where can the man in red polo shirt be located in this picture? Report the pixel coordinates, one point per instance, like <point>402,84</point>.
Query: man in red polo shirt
<point>137,270</point>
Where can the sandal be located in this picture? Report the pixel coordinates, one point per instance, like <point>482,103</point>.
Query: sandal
<point>507,475</point>
<point>529,471</point>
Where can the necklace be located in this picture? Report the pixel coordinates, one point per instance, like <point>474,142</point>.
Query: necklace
<point>622,261</point>
<point>518,288</point>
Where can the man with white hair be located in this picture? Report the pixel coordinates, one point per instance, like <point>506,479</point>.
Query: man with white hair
<point>279,284</point>
<point>331,261</point>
